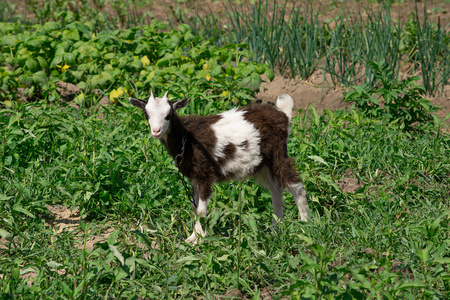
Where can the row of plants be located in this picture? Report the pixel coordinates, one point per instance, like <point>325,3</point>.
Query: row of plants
<point>295,42</point>
<point>34,61</point>
<point>385,238</point>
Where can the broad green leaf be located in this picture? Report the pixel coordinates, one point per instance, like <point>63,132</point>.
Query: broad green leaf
<point>19,208</point>
<point>110,56</point>
<point>15,273</point>
<point>40,77</point>
<point>120,274</point>
<point>27,270</point>
<point>72,34</point>
<point>423,254</point>
<point>136,64</point>
<point>52,26</point>
<point>330,182</point>
<point>252,82</point>
<point>116,253</point>
<point>56,61</point>
<point>304,238</point>
<point>5,234</point>
<point>188,259</point>
<point>54,264</point>
<point>42,62</point>
<point>215,71</point>
<point>79,99</point>
<point>184,28</point>
<point>425,103</point>
<point>315,115</point>
<point>442,261</point>
<point>69,58</point>
<point>303,148</point>
<point>318,159</point>
<point>32,65</point>
<point>34,43</point>
<point>3,197</point>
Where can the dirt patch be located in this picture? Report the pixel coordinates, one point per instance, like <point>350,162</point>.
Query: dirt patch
<point>64,218</point>
<point>312,92</point>
<point>349,183</point>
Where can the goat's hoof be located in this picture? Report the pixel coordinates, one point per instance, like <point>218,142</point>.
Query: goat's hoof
<point>304,218</point>
<point>191,240</point>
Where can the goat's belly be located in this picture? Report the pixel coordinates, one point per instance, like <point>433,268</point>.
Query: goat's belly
<point>241,166</point>
<point>237,149</point>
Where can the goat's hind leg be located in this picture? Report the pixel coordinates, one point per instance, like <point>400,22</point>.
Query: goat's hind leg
<point>266,179</point>
<point>199,206</point>
<point>288,177</point>
<point>299,193</point>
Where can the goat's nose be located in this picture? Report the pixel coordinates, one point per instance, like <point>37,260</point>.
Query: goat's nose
<point>156,131</point>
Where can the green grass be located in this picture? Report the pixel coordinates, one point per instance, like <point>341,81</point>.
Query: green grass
<point>388,238</point>
<point>377,177</point>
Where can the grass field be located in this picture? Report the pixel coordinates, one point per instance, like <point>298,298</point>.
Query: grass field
<point>377,176</point>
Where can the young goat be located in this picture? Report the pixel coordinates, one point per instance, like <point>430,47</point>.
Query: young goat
<point>250,141</point>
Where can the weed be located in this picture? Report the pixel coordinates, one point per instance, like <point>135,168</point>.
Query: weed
<point>402,102</point>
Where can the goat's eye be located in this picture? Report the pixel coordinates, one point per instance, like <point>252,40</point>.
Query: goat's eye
<point>167,117</point>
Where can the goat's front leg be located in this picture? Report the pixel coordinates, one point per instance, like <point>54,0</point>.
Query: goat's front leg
<point>200,206</point>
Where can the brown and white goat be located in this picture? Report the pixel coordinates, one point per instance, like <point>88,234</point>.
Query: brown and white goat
<point>233,145</point>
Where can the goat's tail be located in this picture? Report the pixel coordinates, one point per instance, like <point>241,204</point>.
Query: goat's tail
<point>285,103</point>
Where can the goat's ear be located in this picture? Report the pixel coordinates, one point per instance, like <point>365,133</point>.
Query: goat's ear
<point>180,103</point>
<point>138,103</point>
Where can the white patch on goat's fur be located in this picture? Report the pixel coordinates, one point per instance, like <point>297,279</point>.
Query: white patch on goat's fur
<point>233,128</point>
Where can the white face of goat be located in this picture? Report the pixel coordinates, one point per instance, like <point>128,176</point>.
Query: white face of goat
<point>159,112</point>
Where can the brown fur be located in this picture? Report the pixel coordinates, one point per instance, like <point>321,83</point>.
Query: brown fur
<point>273,127</point>
<point>199,164</point>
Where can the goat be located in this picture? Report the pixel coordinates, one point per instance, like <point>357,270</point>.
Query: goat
<point>233,145</point>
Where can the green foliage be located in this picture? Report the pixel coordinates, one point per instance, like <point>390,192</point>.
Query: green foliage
<point>147,57</point>
<point>385,238</point>
<point>400,102</point>
<point>379,195</point>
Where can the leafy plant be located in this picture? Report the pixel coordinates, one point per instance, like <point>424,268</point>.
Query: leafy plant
<point>147,57</point>
<point>401,102</point>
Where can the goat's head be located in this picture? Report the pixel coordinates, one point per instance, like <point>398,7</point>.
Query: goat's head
<point>159,112</point>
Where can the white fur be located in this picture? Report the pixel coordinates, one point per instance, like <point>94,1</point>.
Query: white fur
<point>285,103</point>
<point>157,109</point>
<point>233,128</point>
